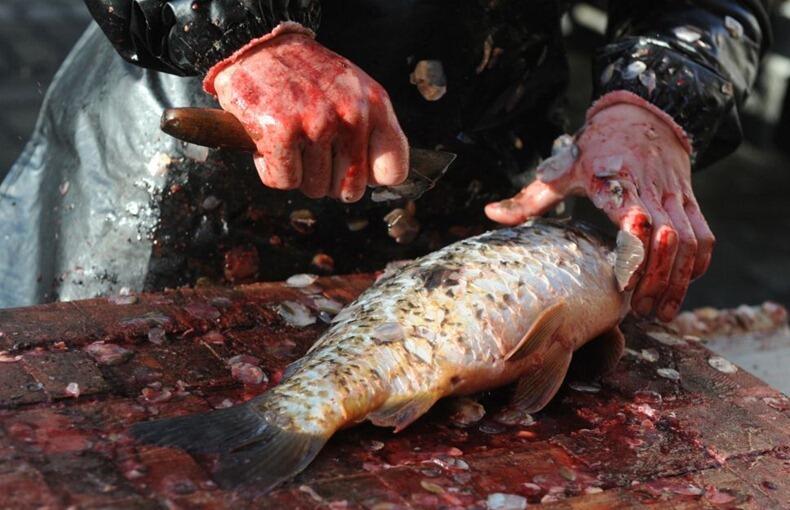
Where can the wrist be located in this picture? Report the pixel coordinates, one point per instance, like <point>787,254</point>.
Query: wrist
<point>286,28</point>
<point>622,99</point>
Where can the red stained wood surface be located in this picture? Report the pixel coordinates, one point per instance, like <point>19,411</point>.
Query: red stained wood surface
<point>633,439</point>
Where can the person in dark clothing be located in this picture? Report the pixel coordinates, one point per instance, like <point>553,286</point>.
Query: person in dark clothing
<point>331,91</point>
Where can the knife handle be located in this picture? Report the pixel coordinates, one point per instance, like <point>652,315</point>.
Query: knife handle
<point>208,127</point>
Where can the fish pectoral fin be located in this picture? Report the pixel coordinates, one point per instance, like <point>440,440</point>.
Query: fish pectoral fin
<point>540,332</point>
<point>536,389</point>
<point>252,450</point>
<point>599,356</point>
<point>403,414</point>
<point>629,255</point>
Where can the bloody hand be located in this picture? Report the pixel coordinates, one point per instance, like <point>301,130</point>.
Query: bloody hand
<point>320,123</point>
<point>632,165</point>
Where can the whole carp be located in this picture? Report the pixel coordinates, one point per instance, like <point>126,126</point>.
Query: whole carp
<point>505,306</point>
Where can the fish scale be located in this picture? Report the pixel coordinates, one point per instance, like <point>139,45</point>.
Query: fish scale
<point>512,304</point>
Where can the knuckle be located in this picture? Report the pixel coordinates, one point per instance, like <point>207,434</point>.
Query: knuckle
<point>666,238</point>
<point>688,242</point>
<point>689,201</point>
<point>377,94</point>
<point>283,176</point>
<point>707,241</point>
<point>353,115</point>
<point>292,131</point>
<point>321,126</point>
<point>323,132</point>
<point>284,132</point>
<point>672,235</point>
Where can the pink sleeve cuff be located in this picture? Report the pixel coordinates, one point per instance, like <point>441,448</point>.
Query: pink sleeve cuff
<point>288,27</point>
<point>624,96</point>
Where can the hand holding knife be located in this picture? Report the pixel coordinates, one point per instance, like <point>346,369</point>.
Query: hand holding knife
<point>219,129</point>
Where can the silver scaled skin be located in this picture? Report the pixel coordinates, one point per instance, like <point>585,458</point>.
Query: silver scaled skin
<point>444,324</point>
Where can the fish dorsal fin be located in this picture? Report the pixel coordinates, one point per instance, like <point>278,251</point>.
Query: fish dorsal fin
<point>536,388</point>
<point>629,255</point>
<point>402,414</point>
<point>600,355</point>
<point>540,332</point>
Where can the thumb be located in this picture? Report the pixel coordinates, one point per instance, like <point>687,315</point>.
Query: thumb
<point>534,200</point>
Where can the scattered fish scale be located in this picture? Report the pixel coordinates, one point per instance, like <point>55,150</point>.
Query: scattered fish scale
<point>666,338</point>
<point>301,280</point>
<point>668,373</point>
<point>585,387</point>
<point>73,390</point>
<point>722,365</point>
<point>466,412</point>
<point>156,396</point>
<point>296,314</point>
<point>108,354</point>
<point>514,417</point>
<point>501,501</point>
<point>328,305</point>
<point>157,336</point>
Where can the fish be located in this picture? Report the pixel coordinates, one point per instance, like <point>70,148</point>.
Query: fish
<point>508,306</point>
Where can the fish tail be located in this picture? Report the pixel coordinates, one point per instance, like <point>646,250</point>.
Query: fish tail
<point>252,450</point>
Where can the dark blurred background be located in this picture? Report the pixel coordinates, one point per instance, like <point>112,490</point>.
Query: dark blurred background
<point>744,197</point>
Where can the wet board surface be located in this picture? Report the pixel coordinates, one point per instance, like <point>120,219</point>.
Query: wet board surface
<point>668,429</point>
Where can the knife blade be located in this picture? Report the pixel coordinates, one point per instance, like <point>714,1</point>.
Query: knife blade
<point>218,129</point>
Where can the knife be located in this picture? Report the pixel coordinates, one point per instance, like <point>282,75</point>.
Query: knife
<point>218,129</point>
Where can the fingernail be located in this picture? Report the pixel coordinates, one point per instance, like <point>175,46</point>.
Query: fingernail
<point>645,306</point>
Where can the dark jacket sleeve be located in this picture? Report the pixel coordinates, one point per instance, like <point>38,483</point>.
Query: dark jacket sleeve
<point>187,37</point>
<point>695,59</point>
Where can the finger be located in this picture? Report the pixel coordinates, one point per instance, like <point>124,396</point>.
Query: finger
<point>349,171</point>
<point>316,170</point>
<point>663,249</point>
<point>280,168</point>
<point>389,156</point>
<point>705,238</point>
<point>389,149</point>
<point>670,302</point>
<point>534,200</point>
